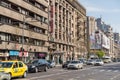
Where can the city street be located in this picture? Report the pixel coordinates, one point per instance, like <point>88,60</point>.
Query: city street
<point>107,72</point>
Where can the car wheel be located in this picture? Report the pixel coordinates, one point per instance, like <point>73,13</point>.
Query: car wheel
<point>45,69</point>
<point>36,70</point>
<point>81,67</point>
<point>25,74</point>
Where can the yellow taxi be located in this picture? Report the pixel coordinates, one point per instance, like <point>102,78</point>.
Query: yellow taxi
<point>14,68</point>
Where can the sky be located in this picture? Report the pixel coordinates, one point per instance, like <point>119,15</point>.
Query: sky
<point>109,10</point>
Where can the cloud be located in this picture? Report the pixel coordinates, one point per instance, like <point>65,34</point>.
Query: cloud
<point>97,9</point>
<point>94,9</point>
<point>116,10</point>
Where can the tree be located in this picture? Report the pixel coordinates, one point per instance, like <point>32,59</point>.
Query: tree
<point>100,54</point>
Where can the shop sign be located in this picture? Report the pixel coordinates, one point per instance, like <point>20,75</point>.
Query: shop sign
<point>41,55</point>
<point>23,54</point>
<point>13,53</point>
<point>4,54</point>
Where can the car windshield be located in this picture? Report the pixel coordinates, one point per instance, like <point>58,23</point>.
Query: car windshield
<point>98,60</point>
<point>6,64</point>
<point>68,62</point>
<point>35,62</point>
<point>91,60</point>
<point>74,62</point>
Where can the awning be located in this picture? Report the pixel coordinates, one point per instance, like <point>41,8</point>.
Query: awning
<point>13,53</point>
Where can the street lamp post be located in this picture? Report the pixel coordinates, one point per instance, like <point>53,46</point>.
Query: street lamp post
<point>24,21</point>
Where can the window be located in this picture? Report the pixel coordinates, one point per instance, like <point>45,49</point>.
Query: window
<point>20,64</point>
<point>31,14</point>
<point>4,3</point>
<point>32,2</point>
<point>23,11</point>
<point>15,7</point>
<point>4,19</point>
<point>15,65</point>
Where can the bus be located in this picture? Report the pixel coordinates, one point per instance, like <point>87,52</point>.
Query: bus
<point>107,59</point>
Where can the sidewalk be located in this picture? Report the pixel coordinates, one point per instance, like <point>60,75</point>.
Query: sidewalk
<point>58,65</point>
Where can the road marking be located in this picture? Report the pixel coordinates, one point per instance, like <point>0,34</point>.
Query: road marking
<point>113,78</point>
<point>72,79</point>
<point>92,73</point>
<point>109,70</point>
<point>60,73</point>
<point>102,70</point>
<point>116,71</point>
<point>78,77</point>
<point>91,79</point>
<point>83,75</point>
<point>49,75</point>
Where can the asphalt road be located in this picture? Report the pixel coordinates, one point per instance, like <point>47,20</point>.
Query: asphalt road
<point>107,72</point>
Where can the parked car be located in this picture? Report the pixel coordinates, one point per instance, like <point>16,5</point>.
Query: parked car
<point>38,65</point>
<point>52,63</point>
<point>4,76</point>
<point>75,65</point>
<point>99,62</point>
<point>83,60</point>
<point>91,61</point>
<point>14,68</point>
<point>64,65</point>
<point>107,59</point>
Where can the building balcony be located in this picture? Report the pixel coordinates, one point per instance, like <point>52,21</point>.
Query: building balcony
<point>18,31</point>
<point>16,46</point>
<point>29,7</point>
<point>43,2</point>
<point>17,16</point>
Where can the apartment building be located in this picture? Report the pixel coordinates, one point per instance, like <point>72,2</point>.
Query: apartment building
<point>91,29</point>
<point>23,29</point>
<point>66,30</point>
<point>108,31</point>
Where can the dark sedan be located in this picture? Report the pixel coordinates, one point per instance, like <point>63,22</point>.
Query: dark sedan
<point>65,64</point>
<point>38,65</point>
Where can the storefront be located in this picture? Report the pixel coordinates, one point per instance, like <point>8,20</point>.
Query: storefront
<point>4,56</point>
<point>41,55</point>
<point>58,57</point>
<point>23,56</point>
<point>13,55</point>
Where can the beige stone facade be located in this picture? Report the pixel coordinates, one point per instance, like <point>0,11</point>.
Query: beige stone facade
<point>23,29</point>
<point>26,32</point>
<point>91,29</point>
<point>67,30</point>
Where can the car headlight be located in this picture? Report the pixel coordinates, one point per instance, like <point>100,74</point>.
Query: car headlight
<point>33,66</point>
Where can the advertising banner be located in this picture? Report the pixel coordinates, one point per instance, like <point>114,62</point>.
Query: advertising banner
<point>95,40</point>
<point>105,42</point>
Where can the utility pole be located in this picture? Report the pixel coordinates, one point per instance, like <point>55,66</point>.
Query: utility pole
<point>24,21</point>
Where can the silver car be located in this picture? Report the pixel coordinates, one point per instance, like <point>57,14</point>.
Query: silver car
<point>99,62</point>
<point>4,76</point>
<point>75,64</point>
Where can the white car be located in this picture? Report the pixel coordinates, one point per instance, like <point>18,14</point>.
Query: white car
<point>75,65</point>
<point>4,76</point>
<point>98,62</point>
<point>91,62</point>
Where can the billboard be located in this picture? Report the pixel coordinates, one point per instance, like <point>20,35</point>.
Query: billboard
<point>105,42</point>
<point>95,40</point>
<point>92,41</point>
